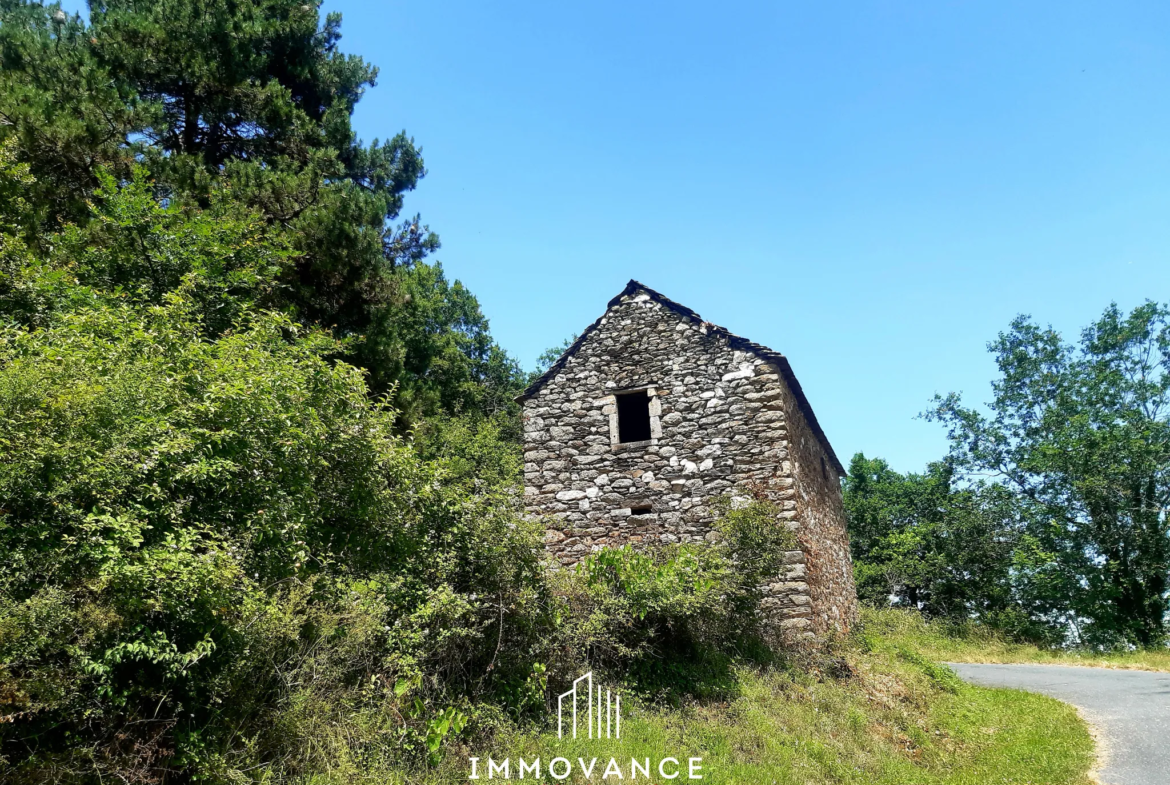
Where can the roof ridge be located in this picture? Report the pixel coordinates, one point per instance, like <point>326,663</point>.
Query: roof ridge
<point>733,340</point>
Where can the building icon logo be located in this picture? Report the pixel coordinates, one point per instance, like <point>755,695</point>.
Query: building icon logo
<point>604,716</point>
<point>602,720</point>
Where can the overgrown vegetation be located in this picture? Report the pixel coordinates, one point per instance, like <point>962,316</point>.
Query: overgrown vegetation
<point>874,710</point>
<point>206,520</point>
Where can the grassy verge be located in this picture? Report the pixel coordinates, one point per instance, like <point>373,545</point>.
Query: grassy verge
<point>891,716</point>
<point>892,724</point>
<point>946,644</point>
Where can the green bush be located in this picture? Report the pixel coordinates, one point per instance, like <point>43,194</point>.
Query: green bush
<point>208,527</point>
<point>670,620</point>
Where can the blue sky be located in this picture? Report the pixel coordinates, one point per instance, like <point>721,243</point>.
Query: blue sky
<point>874,189</point>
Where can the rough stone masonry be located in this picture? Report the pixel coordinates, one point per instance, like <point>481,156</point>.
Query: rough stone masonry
<point>654,413</point>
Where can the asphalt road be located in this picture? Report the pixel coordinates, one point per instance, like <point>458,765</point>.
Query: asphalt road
<point>1131,709</point>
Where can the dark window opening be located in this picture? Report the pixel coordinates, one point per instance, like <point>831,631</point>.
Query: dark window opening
<point>633,411</point>
<point>824,468</point>
<point>641,510</point>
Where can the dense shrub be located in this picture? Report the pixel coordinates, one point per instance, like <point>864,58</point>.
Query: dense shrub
<point>671,618</point>
<point>222,560</point>
<point>205,522</point>
<point>184,517</point>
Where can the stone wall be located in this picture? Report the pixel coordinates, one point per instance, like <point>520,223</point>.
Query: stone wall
<point>721,417</point>
<point>823,534</point>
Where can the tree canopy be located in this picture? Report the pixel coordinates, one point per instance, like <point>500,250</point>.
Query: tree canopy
<point>1048,519</point>
<point>1081,433</point>
<point>936,544</point>
<point>251,102</point>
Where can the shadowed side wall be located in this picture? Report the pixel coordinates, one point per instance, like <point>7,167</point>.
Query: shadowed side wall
<point>823,531</point>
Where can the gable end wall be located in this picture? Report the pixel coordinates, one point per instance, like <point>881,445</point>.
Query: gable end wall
<point>723,420</point>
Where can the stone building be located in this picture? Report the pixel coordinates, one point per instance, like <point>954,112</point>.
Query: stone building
<point>652,414</point>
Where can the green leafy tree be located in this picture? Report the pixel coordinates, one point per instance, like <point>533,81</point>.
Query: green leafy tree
<point>925,542</point>
<point>1081,433</point>
<point>64,112</point>
<point>549,357</point>
<point>258,93</point>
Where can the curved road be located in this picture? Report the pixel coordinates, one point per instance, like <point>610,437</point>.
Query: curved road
<point>1130,709</point>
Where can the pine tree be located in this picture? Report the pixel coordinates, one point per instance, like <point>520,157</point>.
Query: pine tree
<point>257,96</point>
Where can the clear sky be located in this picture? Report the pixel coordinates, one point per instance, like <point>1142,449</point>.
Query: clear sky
<point>873,188</point>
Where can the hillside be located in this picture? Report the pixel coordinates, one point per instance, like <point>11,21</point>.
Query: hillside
<point>876,712</point>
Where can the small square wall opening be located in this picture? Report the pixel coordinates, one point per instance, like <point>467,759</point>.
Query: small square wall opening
<point>645,509</point>
<point>633,415</point>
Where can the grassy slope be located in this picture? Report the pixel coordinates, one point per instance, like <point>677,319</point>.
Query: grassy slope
<point>977,645</point>
<point>899,719</point>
